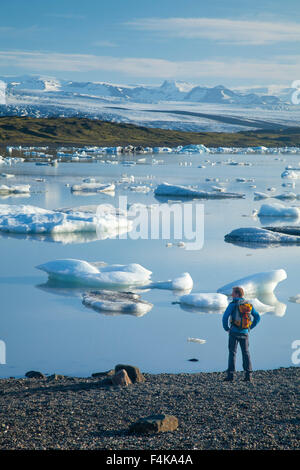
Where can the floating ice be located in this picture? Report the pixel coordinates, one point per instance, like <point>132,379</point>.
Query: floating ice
<point>295,299</point>
<point>184,282</point>
<point>196,340</point>
<point>258,195</point>
<point>117,302</point>
<point>261,236</point>
<point>81,272</point>
<point>289,174</point>
<point>190,149</point>
<point>260,283</point>
<point>7,175</point>
<point>166,189</point>
<point>93,187</point>
<point>278,210</point>
<point>207,300</point>
<point>31,219</point>
<point>17,189</point>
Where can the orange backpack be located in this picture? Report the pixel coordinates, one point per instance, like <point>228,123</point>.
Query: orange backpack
<point>242,316</point>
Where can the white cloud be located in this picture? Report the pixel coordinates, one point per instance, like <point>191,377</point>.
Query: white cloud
<point>222,30</point>
<point>272,69</point>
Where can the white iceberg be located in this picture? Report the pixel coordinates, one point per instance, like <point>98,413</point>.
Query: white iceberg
<point>35,220</point>
<point>184,282</point>
<point>209,301</point>
<point>259,283</point>
<point>116,302</point>
<point>93,187</point>
<point>289,174</point>
<point>81,272</point>
<point>16,189</point>
<point>166,189</point>
<point>278,210</point>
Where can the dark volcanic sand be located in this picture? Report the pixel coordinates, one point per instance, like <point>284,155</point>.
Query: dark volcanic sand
<point>77,413</point>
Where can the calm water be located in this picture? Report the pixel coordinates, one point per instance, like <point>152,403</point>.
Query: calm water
<point>50,330</point>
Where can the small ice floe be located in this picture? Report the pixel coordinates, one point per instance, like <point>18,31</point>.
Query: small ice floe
<point>196,340</point>
<point>140,189</point>
<point>289,174</point>
<point>295,299</point>
<point>259,195</point>
<point>80,272</point>
<point>179,244</point>
<point>291,184</point>
<point>7,175</point>
<point>40,180</point>
<point>259,283</point>
<point>267,236</point>
<point>93,187</point>
<point>271,189</point>
<point>210,301</point>
<point>166,189</point>
<point>278,210</point>
<point>286,196</point>
<point>127,179</point>
<point>112,302</point>
<point>16,189</point>
<point>184,282</point>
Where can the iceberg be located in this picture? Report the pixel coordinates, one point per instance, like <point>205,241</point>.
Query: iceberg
<point>116,302</point>
<point>93,187</point>
<point>211,301</point>
<point>295,299</point>
<point>16,189</point>
<point>190,149</point>
<point>259,283</point>
<point>184,282</point>
<point>289,174</point>
<point>263,236</point>
<point>278,210</point>
<point>166,189</point>
<point>35,220</point>
<point>80,272</point>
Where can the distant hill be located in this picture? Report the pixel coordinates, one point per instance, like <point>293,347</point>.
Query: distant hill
<point>81,131</point>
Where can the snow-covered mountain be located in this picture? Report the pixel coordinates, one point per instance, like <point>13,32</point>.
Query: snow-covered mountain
<point>171,105</point>
<point>49,88</point>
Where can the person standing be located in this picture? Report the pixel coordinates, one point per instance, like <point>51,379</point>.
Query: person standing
<point>237,320</point>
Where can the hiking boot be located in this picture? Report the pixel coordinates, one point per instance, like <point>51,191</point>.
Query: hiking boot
<point>247,377</point>
<point>228,378</point>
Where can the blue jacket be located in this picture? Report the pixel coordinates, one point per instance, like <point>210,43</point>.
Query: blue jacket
<point>229,310</point>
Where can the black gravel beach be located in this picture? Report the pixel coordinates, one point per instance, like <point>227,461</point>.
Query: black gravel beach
<point>84,413</point>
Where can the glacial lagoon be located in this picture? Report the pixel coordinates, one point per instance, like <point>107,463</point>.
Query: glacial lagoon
<point>45,326</point>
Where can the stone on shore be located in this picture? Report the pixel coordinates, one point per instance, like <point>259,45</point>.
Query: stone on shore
<point>33,374</point>
<point>133,372</point>
<point>154,424</point>
<point>121,378</point>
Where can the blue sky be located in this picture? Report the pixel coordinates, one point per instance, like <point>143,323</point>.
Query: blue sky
<point>234,43</point>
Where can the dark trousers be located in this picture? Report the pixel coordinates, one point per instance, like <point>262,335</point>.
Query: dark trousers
<point>243,340</point>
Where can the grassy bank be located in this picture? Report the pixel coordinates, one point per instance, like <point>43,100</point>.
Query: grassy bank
<point>80,131</point>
